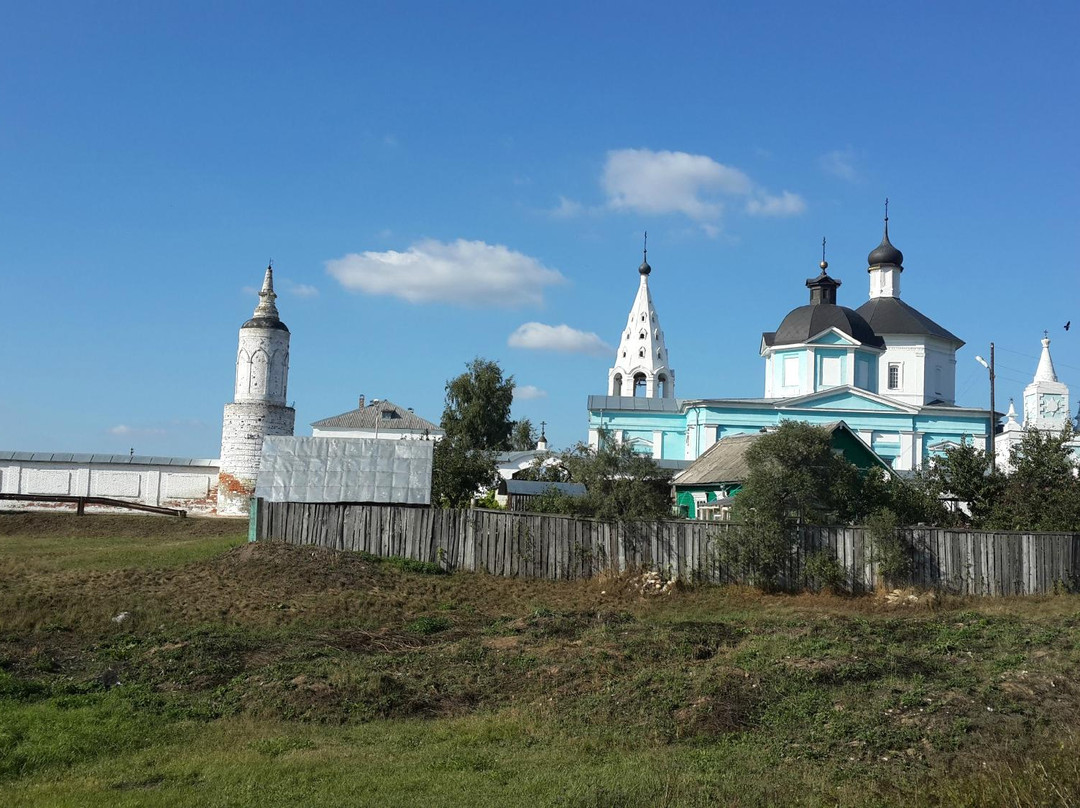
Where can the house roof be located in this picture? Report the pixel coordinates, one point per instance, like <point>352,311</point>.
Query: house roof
<point>383,414</point>
<point>723,462</point>
<point>536,487</point>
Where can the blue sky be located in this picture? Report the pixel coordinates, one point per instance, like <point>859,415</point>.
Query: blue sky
<point>154,156</point>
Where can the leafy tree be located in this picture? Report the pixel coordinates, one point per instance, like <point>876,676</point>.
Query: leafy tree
<point>795,477</point>
<point>477,408</point>
<point>1042,492</point>
<point>546,467</point>
<point>963,473</point>
<point>476,420</point>
<point>621,484</point>
<point>523,436</point>
<point>459,472</point>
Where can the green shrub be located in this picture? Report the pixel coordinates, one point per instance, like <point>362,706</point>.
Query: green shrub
<point>404,564</point>
<point>887,549</point>
<point>428,625</point>
<point>824,571</point>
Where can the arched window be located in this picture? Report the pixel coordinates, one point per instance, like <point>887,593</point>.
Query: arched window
<point>640,385</point>
<point>257,377</point>
<point>661,385</point>
<point>656,334</point>
<point>659,353</point>
<point>616,385</point>
<point>624,354</point>
<point>641,353</point>
<point>643,317</point>
<point>642,335</point>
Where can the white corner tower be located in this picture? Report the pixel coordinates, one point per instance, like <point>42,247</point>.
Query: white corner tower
<point>641,362</point>
<point>1046,400</point>
<point>259,407</point>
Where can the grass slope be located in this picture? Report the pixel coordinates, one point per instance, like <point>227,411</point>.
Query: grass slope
<point>274,675</point>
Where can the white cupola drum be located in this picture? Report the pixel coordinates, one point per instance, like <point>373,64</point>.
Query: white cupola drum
<point>642,366</point>
<point>259,400</point>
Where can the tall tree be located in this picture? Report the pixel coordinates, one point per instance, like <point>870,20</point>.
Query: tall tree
<point>477,407</point>
<point>476,420</point>
<point>523,437</point>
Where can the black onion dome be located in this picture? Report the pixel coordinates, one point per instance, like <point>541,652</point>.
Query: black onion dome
<point>809,321</point>
<point>644,269</point>
<point>885,252</point>
<point>265,322</point>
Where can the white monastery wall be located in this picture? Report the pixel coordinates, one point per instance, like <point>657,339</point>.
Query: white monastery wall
<point>166,482</point>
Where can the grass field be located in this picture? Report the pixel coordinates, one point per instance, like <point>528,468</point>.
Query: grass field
<point>273,675</point>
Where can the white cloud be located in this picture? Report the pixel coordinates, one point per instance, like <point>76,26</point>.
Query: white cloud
<point>695,185</point>
<point>301,289</point>
<point>840,163</point>
<point>786,204</point>
<point>649,181</point>
<point>562,338</point>
<point>133,431</point>
<point>467,272</point>
<point>528,391</point>
<point>567,209</point>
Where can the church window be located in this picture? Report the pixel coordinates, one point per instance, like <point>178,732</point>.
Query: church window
<point>642,335</point>
<point>894,376</point>
<point>640,385</point>
<point>624,354</point>
<point>862,375</point>
<point>791,371</point>
<point>641,353</point>
<point>659,353</point>
<point>830,371</point>
<point>656,334</point>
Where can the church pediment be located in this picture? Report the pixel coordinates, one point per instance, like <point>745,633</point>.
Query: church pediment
<point>845,398</point>
<point>833,336</point>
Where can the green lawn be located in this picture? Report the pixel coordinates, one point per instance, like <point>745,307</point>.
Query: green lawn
<point>272,675</point>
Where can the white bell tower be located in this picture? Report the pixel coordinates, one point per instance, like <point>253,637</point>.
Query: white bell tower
<point>641,361</point>
<point>259,405</point>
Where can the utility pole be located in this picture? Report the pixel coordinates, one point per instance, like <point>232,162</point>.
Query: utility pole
<point>993,416</point>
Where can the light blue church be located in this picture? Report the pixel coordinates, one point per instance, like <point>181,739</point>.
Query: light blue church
<point>885,369</point>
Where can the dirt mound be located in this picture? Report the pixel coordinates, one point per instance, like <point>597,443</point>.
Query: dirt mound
<point>120,526</point>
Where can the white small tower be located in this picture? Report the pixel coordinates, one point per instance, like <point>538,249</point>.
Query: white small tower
<point>1046,400</point>
<point>259,408</point>
<point>641,362</point>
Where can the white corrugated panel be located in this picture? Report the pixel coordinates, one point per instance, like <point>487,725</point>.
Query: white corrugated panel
<point>345,470</point>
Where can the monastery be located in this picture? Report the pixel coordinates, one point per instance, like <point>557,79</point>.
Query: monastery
<point>885,369</point>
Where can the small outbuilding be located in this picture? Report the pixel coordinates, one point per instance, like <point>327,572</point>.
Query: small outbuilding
<point>518,493</point>
<point>706,489</point>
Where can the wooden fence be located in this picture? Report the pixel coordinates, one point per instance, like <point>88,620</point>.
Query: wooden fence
<point>560,547</point>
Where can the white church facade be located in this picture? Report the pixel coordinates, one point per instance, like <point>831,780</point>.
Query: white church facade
<point>885,369</point>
